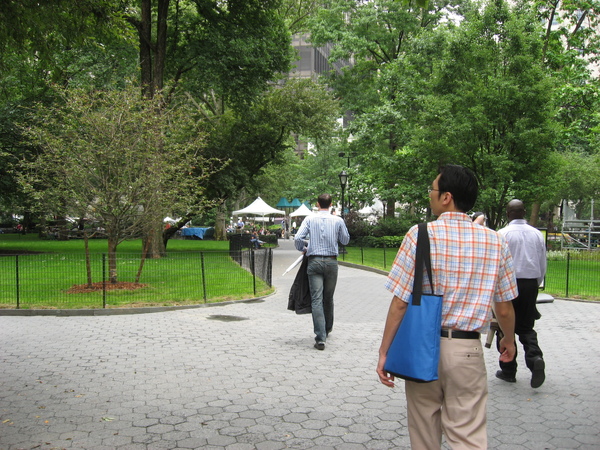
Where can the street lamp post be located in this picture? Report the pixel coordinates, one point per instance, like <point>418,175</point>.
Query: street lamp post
<point>343,182</point>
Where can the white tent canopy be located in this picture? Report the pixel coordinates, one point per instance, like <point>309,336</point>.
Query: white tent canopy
<point>257,208</point>
<point>302,211</point>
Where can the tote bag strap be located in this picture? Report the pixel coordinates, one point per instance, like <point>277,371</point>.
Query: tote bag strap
<point>423,258</point>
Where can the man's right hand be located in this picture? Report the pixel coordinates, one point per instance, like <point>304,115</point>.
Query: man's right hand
<point>508,349</point>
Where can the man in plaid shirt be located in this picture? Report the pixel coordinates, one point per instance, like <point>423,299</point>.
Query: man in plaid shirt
<point>473,270</point>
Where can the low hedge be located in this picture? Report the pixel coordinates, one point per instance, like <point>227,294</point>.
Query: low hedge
<point>378,242</point>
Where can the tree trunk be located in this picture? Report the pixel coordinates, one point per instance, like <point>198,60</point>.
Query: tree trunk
<point>161,44</point>
<point>143,260</point>
<point>535,214</point>
<point>88,264</point>
<point>145,35</point>
<point>220,233</point>
<point>390,208</point>
<point>112,258</point>
<point>154,243</point>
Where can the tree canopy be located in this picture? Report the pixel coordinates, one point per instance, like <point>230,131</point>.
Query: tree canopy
<point>114,157</point>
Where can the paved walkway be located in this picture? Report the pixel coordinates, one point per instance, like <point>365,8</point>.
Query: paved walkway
<point>245,376</point>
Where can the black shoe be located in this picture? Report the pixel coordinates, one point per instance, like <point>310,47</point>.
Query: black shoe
<point>320,345</point>
<point>537,374</point>
<point>504,377</point>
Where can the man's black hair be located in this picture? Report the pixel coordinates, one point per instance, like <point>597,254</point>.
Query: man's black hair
<point>324,200</point>
<point>461,183</point>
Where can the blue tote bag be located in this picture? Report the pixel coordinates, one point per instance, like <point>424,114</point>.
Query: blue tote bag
<point>415,351</point>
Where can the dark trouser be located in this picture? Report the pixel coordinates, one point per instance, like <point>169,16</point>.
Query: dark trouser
<point>322,278</point>
<point>526,314</point>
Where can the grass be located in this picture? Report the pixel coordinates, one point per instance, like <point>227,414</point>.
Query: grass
<point>31,242</point>
<point>575,277</point>
<point>378,258</point>
<point>581,280</point>
<point>193,272</point>
<point>196,271</point>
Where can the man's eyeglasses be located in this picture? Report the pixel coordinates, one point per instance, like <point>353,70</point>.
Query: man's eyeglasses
<point>432,189</point>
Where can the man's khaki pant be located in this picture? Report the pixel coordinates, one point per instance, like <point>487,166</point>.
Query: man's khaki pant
<point>455,404</point>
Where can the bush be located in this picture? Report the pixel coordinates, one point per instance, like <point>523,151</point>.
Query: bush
<point>379,242</point>
<point>395,226</point>
<point>269,238</point>
<point>357,227</point>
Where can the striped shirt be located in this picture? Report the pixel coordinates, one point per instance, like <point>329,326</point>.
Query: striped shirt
<point>324,231</point>
<point>472,267</point>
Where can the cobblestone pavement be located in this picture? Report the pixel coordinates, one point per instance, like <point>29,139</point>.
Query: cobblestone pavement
<point>246,376</point>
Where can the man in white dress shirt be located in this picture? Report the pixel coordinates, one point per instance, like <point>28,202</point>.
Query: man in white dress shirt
<point>528,250</point>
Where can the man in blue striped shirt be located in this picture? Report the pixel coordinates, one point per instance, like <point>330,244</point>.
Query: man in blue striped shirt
<point>324,231</point>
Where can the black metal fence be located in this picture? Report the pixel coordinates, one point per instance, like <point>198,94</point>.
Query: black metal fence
<point>53,280</point>
<point>570,274</point>
<point>574,274</point>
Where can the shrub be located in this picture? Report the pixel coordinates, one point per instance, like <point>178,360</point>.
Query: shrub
<point>357,227</point>
<point>395,226</point>
<point>379,242</point>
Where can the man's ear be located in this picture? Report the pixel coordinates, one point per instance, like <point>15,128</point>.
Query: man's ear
<point>448,199</point>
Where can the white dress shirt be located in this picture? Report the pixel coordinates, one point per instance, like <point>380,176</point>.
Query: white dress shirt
<point>528,249</point>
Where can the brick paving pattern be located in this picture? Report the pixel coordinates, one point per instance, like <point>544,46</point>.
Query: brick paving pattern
<point>245,376</point>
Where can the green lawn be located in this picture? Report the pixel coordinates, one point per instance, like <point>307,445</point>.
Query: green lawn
<point>193,271</point>
<point>577,278</point>
<point>581,280</point>
<point>31,242</point>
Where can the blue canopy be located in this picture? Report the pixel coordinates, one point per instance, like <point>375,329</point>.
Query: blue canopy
<point>295,203</point>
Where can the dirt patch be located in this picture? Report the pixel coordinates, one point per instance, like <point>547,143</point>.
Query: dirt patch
<point>95,287</point>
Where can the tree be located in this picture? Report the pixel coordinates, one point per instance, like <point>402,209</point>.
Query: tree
<point>491,107</point>
<point>260,135</point>
<point>44,44</point>
<point>227,49</point>
<point>571,46</point>
<point>378,37</point>
<point>114,156</point>
<point>222,55</point>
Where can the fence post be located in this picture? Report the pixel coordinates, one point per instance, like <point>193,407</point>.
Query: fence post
<point>384,256</point>
<point>270,267</point>
<point>203,276</point>
<point>103,280</point>
<point>253,270</point>
<point>567,281</point>
<point>362,255</point>
<point>17,281</point>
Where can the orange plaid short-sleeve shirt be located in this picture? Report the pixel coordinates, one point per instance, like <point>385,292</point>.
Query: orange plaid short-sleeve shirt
<point>472,267</point>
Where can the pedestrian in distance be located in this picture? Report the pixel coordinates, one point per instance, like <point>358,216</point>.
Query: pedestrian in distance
<point>318,237</point>
<point>528,250</point>
<point>256,242</point>
<point>472,269</point>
